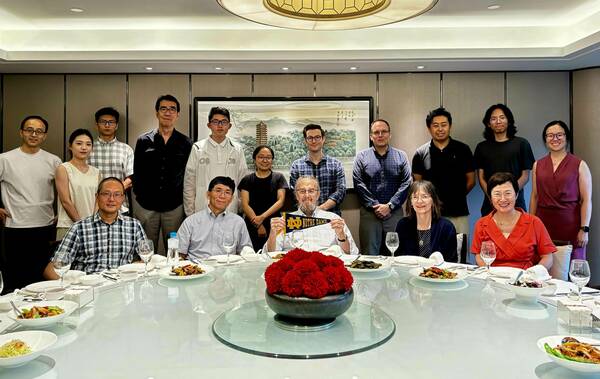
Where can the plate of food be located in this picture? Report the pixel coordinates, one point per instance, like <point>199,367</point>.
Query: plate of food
<point>19,348</point>
<point>436,275</point>
<point>186,271</point>
<point>366,264</point>
<point>43,313</point>
<point>575,354</point>
<point>528,290</point>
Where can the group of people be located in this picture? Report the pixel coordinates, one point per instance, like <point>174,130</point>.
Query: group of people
<point>197,189</point>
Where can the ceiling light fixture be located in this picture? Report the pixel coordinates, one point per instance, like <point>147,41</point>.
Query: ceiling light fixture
<point>285,68</point>
<point>218,68</point>
<point>493,7</point>
<point>420,67</point>
<point>327,14</point>
<point>76,10</point>
<point>353,68</point>
<point>148,68</point>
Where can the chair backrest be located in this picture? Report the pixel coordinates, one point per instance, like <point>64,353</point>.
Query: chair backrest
<point>461,247</point>
<point>561,261</point>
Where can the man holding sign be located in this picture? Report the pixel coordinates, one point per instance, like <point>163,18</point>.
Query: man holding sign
<point>319,229</point>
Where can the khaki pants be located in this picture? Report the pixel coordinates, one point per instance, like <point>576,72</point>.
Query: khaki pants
<point>154,222</point>
<point>461,223</point>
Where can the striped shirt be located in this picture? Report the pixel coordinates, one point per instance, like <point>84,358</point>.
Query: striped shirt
<point>92,245</point>
<point>330,174</point>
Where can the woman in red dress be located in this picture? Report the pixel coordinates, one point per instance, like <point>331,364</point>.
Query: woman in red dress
<point>561,193</point>
<point>521,239</point>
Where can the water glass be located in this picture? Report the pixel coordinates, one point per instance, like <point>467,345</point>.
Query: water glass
<point>487,253</point>
<point>145,251</point>
<point>579,272</point>
<point>228,242</point>
<point>1,283</point>
<point>61,268</point>
<point>392,242</point>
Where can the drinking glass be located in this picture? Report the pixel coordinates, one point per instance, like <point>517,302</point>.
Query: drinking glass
<point>392,242</point>
<point>228,242</point>
<point>487,253</point>
<point>297,239</point>
<point>61,268</point>
<point>1,283</point>
<point>579,273</point>
<point>145,251</point>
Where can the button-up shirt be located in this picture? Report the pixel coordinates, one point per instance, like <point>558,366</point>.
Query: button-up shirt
<point>330,174</point>
<point>113,158</point>
<point>92,245</point>
<point>201,234</point>
<point>381,179</point>
<point>158,170</point>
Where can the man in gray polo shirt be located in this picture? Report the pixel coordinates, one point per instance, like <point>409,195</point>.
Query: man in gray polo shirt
<point>201,234</point>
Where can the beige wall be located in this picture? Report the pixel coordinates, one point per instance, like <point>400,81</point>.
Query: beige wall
<point>69,101</point>
<point>586,135</point>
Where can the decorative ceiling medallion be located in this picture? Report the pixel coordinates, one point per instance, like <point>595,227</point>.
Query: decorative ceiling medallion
<point>327,14</point>
<point>317,10</point>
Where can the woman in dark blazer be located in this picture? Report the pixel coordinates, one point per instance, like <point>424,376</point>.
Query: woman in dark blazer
<point>423,231</point>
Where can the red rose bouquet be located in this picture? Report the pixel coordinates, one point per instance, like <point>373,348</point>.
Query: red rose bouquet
<point>308,274</point>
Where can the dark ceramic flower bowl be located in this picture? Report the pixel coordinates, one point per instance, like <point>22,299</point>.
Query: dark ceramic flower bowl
<point>302,308</point>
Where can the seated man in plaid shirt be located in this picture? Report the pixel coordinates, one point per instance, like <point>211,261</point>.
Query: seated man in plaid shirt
<point>103,240</point>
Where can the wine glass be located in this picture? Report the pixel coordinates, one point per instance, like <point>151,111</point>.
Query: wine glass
<point>297,239</point>
<point>392,242</point>
<point>1,283</point>
<point>61,268</point>
<point>487,253</point>
<point>228,242</point>
<point>145,251</point>
<point>579,273</point>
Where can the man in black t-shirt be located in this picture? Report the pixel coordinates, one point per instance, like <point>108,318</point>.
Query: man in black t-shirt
<point>502,151</point>
<point>448,164</point>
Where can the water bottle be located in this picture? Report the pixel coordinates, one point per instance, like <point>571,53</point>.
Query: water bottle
<point>172,249</point>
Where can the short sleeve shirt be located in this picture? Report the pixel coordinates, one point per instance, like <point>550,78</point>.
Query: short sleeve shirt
<point>263,191</point>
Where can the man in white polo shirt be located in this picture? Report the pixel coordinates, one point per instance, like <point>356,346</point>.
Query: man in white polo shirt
<point>27,180</point>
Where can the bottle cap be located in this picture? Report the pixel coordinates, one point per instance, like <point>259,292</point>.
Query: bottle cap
<point>173,235</point>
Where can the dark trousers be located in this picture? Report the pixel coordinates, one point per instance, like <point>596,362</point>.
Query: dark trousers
<point>25,254</point>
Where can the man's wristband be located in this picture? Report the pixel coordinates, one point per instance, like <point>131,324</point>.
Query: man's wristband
<point>586,229</point>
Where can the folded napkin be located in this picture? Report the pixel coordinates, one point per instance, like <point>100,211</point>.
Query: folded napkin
<point>247,250</point>
<point>537,272</point>
<point>437,258</point>
<point>334,250</point>
<point>158,260</point>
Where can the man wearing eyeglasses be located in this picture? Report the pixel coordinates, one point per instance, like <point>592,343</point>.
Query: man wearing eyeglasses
<point>316,238</point>
<point>328,170</point>
<point>158,170</point>
<point>27,179</point>
<point>104,240</point>
<point>202,234</point>
<point>110,156</point>
<point>214,156</point>
<point>381,176</point>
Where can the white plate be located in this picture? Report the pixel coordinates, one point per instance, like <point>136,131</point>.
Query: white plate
<point>416,271</point>
<point>385,264</point>
<point>414,260</point>
<point>67,306</point>
<point>40,287</point>
<point>553,341</point>
<point>38,341</point>
<point>222,259</point>
<point>138,266</point>
<point>504,272</point>
<point>166,273</point>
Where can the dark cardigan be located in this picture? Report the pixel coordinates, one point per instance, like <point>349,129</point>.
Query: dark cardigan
<point>443,238</point>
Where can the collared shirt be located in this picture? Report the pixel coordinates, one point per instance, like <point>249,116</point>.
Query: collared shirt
<point>446,168</point>
<point>381,179</point>
<point>158,170</point>
<point>330,174</point>
<point>113,158</point>
<point>317,238</point>
<point>92,245</point>
<point>200,235</point>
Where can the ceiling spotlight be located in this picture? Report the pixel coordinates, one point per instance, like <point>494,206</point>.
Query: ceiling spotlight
<point>148,68</point>
<point>218,68</point>
<point>493,7</point>
<point>76,10</point>
<point>285,68</point>
<point>420,67</point>
<point>353,68</point>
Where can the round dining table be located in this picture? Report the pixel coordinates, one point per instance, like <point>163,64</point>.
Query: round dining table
<point>155,328</point>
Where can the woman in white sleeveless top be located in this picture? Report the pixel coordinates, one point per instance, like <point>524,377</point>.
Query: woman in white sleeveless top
<point>76,183</point>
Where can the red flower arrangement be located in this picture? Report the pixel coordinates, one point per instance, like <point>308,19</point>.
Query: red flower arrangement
<point>308,274</point>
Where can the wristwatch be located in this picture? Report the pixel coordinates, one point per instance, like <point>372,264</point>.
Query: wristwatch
<point>391,206</point>
<point>341,240</point>
<point>586,229</point>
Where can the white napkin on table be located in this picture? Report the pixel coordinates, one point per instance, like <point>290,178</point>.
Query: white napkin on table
<point>437,257</point>
<point>247,251</point>
<point>537,272</point>
<point>334,250</point>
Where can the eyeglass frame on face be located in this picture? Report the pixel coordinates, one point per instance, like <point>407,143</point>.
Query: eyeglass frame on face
<point>380,133</point>
<point>107,122</point>
<point>313,138</point>
<point>114,195</point>
<point>164,109</point>
<point>500,195</point>
<point>310,191</point>
<point>501,118</point>
<point>559,136</point>
<point>33,131</point>
<point>263,158</point>
<point>422,197</point>
<point>223,122</point>
<point>218,192</point>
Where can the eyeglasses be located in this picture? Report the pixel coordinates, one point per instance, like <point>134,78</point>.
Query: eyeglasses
<point>115,195</point>
<point>222,192</point>
<point>167,109</point>
<point>422,197</point>
<point>107,122</point>
<point>314,138</point>
<point>496,119</point>
<point>311,191</point>
<point>33,131</point>
<point>551,136</point>
<point>500,195</point>
<point>440,125</point>
<point>219,122</point>
<point>380,133</point>
<point>264,158</point>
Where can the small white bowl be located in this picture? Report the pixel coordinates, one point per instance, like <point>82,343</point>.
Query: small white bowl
<point>38,341</point>
<point>54,293</point>
<point>67,306</point>
<point>528,294</point>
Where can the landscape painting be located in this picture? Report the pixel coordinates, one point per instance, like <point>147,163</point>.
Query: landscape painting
<point>278,122</point>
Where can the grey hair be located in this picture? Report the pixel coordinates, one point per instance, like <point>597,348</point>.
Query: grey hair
<point>307,177</point>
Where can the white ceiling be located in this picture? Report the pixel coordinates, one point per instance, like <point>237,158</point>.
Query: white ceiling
<point>198,36</point>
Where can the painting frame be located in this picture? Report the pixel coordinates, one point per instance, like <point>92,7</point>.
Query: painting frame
<point>345,119</point>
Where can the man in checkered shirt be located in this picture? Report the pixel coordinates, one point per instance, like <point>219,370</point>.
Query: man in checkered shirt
<point>112,157</point>
<point>103,240</point>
